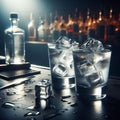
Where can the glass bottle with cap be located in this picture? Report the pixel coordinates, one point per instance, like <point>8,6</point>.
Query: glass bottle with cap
<point>14,42</point>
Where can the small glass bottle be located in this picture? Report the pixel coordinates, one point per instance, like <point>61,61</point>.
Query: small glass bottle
<point>14,42</point>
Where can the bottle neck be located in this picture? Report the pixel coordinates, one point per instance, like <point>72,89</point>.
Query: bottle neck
<point>14,22</point>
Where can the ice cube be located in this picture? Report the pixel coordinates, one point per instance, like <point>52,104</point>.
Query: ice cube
<point>86,69</point>
<point>44,89</point>
<point>66,57</point>
<point>75,45</point>
<point>60,70</point>
<point>93,45</point>
<point>63,41</point>
<point>95,79</point>
<point>54,55</point>
<point>94,57</point>
<point>83,82</point>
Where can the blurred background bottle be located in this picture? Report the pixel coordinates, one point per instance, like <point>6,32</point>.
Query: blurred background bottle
<point>56,27</point>
<point>41,30</point>
<point>31,29</point>
<point>69,27</point>
<point>14,42</point>
<point>101,27</point>
<point>111,27</point>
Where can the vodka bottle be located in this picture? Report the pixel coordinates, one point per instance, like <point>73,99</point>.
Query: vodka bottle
<point>14,42</point>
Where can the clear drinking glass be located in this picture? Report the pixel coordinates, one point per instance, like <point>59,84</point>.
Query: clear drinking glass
<point>62,67</point>
<point>91,71</point>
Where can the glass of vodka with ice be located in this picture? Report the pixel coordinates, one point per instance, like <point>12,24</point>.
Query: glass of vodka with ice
<point>91,64</point>
<point>61,63</point>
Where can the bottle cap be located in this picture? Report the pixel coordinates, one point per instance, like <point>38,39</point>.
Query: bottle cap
<point>14,15</point>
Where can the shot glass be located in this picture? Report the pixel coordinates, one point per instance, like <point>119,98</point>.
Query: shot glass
<point>91,73</point>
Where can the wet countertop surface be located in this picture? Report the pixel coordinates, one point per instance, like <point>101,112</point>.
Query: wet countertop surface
<point>18,102</point>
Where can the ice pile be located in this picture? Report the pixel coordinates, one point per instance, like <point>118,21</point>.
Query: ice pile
<point>93,45</point>
<point>65,42</point>
<point>62,57</point>
<point>93,66</point>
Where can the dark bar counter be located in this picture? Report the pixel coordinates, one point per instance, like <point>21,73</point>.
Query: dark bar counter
<point>17,102</point>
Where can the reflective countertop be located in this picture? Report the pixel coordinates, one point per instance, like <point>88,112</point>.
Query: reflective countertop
<point>18,102</point>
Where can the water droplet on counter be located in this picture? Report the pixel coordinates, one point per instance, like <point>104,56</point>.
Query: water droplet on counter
<point>69,102</point>
<point>73,104</point>
<point>25,95</point>
<point>9,93</point>
<point>65,97</point>
<point>8,105</point>
<point>31,108</point>
<point>32,114</point>
<point>64,100</point>
<point>37,113</point>
<point>28,90</point>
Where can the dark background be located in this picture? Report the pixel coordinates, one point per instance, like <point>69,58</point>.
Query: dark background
<point>62,7</point>
<point>45,7</point>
